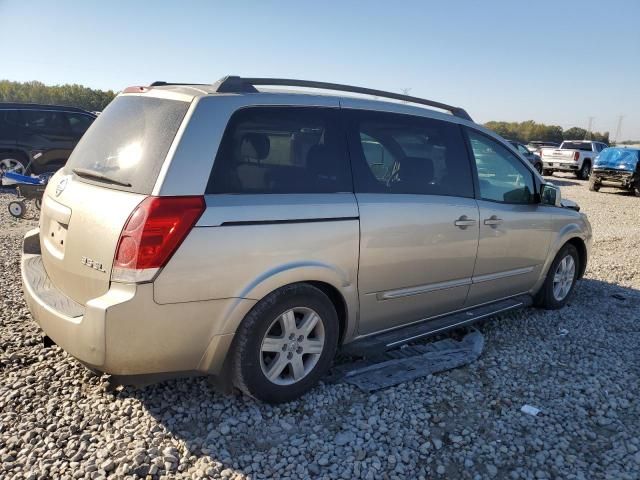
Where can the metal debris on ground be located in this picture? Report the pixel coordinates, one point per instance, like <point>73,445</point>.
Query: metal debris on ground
<point>410,362</point>
<point>530,410</point>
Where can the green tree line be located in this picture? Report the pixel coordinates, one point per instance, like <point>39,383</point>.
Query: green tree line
<point>530,130</point>
<point>93,99</point>
<point>68,94</point>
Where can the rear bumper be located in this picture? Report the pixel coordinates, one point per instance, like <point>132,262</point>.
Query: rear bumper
<point>555,165</point>
<point>124,332</point>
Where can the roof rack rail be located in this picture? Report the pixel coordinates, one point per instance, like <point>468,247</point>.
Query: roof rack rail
<point>160,83</point>
<point>235,84</point>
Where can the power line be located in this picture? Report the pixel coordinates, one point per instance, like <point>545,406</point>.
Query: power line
<point>618,128</point>
<point>588,134</point>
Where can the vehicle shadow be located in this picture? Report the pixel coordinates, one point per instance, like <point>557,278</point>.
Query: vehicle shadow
<point>616,191</point>
<point>563,181</point>
<point>239,433</point>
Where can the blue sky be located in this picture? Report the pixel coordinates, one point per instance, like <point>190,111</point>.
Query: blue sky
<point>556,61</point>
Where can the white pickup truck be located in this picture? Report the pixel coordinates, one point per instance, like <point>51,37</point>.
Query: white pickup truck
<point>572,156</point>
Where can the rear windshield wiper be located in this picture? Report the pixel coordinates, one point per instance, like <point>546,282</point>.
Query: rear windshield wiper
<point>83,172</point>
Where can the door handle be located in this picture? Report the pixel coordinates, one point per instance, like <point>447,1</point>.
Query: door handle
<point>464,222</point>
<point>493,220</point>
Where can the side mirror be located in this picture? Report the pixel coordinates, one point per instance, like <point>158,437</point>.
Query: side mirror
<point>550,195</point>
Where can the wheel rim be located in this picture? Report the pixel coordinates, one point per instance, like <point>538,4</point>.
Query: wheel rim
<point>292,346</point>
<point>15,209</point>
<point>12,165</point>
<point>564,277</point>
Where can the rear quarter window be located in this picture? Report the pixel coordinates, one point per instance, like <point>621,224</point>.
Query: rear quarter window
<point>129,141</point>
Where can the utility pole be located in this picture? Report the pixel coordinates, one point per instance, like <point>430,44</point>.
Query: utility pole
<point>588,135</point>
<point>618,129</point>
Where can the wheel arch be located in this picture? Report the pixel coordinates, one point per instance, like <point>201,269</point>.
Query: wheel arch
<point>571,233</point>
<point>581,247</point>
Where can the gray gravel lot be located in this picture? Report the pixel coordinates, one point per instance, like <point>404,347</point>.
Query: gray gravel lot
<point>580,366</point>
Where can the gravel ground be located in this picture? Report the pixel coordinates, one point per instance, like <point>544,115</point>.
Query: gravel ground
<point>580,366</point>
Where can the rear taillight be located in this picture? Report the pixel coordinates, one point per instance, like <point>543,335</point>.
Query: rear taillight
<point>576,156</point>
<point>152,234</point>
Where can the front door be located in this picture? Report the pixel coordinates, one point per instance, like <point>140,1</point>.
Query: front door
<point>514,232</point>
<point>418,217</point>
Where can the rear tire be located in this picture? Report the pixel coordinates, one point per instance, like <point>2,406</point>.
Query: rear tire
<point>585,172</point>
<point>594,185</point>
<point>561,279</point>
<point>13,162</point>
<point>285,344</point>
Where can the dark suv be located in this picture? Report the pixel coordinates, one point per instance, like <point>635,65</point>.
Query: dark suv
<point>44,135</point>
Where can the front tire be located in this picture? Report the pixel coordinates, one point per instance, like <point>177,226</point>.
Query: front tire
<point>561,279</point>
<point>546,172</point>
<point>594,185</point>
<point>285,344</point>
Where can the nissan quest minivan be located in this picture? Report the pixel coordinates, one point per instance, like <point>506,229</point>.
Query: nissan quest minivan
<point>250,234</point>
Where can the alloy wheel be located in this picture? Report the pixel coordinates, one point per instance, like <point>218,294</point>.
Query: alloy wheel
<point>12,165</point>
<point>564,277</point>
<point>292,346</point>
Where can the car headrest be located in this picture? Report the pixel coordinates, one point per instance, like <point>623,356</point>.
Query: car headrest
<point>255,146</point>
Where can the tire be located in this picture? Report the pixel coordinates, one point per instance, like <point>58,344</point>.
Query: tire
<point>11,162</point>
<point>252,360</point>
<point>538,167</point>
<point>594,185</point>
<point>546,172</point>
<point>551,296</point>
<point>38,203</point>
<point>17,208</point>
<point>585,172</point>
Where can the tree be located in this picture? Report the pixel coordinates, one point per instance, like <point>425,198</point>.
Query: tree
<point>529,130</point>
<point>575,133</point>
<point>72,95</point>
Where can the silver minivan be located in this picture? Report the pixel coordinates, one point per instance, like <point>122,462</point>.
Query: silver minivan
<point>250,234</point>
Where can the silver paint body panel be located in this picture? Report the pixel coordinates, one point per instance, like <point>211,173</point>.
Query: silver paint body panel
<point>394,259</point>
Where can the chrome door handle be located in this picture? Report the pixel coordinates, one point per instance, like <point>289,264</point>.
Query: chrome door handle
<point>493,221</point>
<point>464,222</point>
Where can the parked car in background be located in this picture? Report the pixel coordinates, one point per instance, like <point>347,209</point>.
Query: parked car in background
<point>536,145</point>
<point>528,154</point>
<point>575,156</point>
<point>616,167</point>
<point>248,235</point>
<point>40,137</point>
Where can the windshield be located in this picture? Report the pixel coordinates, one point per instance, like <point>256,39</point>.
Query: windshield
<point>128,142</point>
<point>583,146</point>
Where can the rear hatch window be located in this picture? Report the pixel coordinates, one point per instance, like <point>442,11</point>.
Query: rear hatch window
<point>127,144</point>
<point>584,146</point>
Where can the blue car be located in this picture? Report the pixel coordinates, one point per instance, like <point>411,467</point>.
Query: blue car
<point>616,167</point>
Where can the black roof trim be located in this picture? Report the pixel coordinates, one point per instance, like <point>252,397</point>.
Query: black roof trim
<point>235,84</point>
<point>160,83</point>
